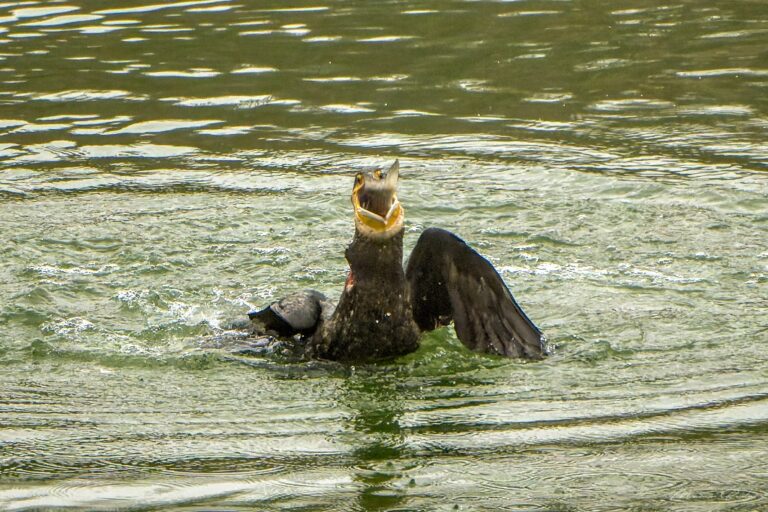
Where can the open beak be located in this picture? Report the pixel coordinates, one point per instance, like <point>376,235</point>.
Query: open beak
<point>378,213</point>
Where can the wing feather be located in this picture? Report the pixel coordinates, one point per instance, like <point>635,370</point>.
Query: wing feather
<point>450,281</point>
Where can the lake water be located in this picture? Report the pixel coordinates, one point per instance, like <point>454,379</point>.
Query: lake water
<point>167,166</point>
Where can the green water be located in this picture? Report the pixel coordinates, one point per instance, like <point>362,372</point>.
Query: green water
<point>167,166</point>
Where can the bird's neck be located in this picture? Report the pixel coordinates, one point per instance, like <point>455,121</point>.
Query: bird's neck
<point>376,260</point>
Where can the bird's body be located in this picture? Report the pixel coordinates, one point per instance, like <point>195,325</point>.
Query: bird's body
<point>384,308</point>
<point>374,317</point>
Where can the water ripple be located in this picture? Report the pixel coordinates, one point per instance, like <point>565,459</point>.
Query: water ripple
<point>62,20</point>
<point>157,7</point>
<point>87,95</point>
<point>33,12</point>
<point>219,101</point>
<point>724,72</point>
<point>161,126</point>
<point>167,166</point>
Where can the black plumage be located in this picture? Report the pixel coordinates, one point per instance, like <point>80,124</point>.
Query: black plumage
<point>383,308</point>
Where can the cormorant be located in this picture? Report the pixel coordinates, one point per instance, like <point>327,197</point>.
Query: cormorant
<point>384,308</point>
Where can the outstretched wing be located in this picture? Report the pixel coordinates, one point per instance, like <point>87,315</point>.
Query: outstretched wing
<point>450,281</point>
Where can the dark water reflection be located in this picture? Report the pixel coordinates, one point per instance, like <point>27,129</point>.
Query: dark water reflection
<point>167,166</point>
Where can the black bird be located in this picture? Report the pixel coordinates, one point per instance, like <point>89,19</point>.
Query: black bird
<point>383,309</point>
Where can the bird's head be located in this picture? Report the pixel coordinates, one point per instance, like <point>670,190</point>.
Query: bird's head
<point>378,213</point>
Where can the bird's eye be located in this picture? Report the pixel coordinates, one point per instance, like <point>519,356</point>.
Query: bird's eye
<point>377,174</point>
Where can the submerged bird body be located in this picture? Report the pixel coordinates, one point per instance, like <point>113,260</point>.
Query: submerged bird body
<point>384,308</point>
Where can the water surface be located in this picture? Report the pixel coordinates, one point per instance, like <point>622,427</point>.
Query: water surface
<point>167,166</point>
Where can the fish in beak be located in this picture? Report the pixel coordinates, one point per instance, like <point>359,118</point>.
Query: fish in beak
<point>378,213</point>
